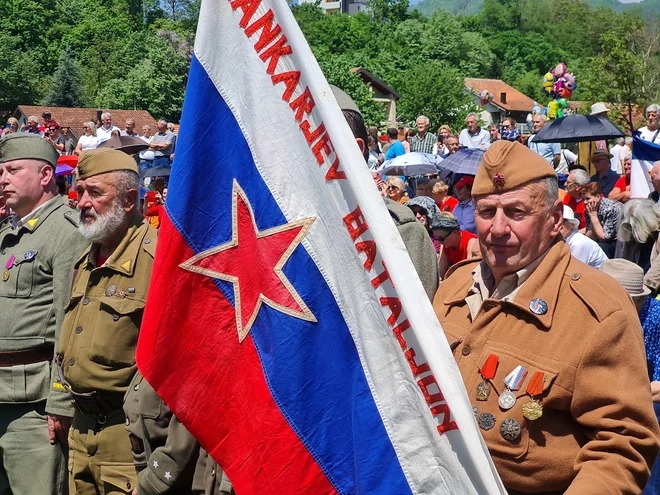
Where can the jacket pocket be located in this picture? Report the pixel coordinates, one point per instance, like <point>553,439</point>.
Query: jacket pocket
<point>508,360</point>
<point>118,478</point>
<point>19,283</point>
<point>116,331</point>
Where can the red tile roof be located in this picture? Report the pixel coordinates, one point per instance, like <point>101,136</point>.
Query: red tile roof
<point>515,100</point>
<point>74,117</point>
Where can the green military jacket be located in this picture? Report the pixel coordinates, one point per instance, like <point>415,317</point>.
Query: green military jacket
<point>103,316</point>
<point>36,262</point>
<point>167,463</point>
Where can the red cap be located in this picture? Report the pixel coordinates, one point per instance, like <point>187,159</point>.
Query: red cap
<point>73,195</point>
<point>151,197</point>
<point>466,180</point>
<point>383,138</point>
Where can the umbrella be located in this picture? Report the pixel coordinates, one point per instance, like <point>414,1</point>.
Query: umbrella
<point>70,160</point>
<point>577,129</point>
<point>465,161</point>
<point>63,169</point>
<point>128,144</point>
<point>412,164</point>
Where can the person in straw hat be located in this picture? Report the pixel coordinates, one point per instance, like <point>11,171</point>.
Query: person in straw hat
<point>550,349</point>
<point>631,278</point>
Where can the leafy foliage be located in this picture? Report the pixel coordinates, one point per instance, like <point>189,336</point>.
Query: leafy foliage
<point>66,89</point>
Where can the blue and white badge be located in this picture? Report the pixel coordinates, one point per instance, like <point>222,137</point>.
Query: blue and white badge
<point>538,306</point>
<point>29,255</point>
<point>516,378</point>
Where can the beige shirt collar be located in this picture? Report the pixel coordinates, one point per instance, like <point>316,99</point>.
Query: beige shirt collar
<point>17,223</point>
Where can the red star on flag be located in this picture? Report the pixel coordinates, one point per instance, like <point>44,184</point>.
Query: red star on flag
<point>253,260</point>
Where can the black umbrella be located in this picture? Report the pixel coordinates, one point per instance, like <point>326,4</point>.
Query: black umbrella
<point>127,144</point>
<point>578,129</point>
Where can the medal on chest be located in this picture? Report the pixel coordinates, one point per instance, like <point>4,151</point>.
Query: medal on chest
<point>487,372</point>
<point>533,409</point>
<point>10,263</point>
<point>513,381</point>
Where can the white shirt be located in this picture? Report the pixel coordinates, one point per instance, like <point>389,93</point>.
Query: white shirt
<point>479,140</point>
<point>615,164</point>
<point>104,134</point>
<point>647,135</point>
<point>88,142</point>
<point>566,157</point>
<point>586,250</point>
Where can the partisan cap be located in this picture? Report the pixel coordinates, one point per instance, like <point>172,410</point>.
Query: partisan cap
<point>24,146</point>
<point>507,165</point>
<point>345,102</point>
<point>104,160</point>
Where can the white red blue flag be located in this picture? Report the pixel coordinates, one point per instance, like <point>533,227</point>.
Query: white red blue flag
<point>645,154</point>
<point>285,324</point>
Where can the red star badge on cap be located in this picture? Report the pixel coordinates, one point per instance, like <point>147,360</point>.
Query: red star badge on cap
<point>253,260</point>
<point>498,180</point>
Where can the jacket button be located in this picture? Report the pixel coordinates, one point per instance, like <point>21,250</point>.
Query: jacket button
<point>72,362</point>
<point>128,485</point>
<point>466,350</point>
<point>575,276</point>
<point>115,317</point>
<point>85,302</point>
<point>78,329</point>
<point>128,422</point>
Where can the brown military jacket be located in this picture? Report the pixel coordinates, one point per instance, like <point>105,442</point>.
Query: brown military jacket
<point>167,453</point>
<point>103,316</point>
<point>598,433</point>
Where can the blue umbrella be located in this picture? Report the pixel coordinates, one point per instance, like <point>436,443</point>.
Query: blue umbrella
<point>412,164</point>
<point>465,161</point>
<point>577,129</point>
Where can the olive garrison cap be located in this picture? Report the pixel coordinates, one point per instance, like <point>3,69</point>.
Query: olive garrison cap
<point>508,165</point>
<point>103,160</point>
<point>24,146</point>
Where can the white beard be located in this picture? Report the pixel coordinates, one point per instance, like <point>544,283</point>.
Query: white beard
<point>104,226</point>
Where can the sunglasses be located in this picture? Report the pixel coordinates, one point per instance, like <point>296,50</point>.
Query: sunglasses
<point>443,238</point>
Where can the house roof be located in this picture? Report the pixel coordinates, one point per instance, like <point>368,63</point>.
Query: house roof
<point>368,77</point>
<point>74,117</point>
<point>515,100</point>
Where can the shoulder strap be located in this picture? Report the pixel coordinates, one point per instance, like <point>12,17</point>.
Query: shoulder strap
<point>655,135</point>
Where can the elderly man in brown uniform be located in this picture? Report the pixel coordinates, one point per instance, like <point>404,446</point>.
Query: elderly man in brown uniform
<point>102,321</point>
<point>550,350</point>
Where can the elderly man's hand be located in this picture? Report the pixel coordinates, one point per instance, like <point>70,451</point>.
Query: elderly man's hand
<point>58,428</point>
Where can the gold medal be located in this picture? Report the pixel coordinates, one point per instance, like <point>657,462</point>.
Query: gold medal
<point>483,390</point>
<point>5,276</point>
<point>533,410</point>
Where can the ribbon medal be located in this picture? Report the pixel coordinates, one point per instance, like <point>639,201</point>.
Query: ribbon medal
<point>8,266</point>
<point>513,381</point>
<point>487,372</point>
<point>533,410</point>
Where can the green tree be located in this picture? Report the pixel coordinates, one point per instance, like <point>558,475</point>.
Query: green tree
<point>66,88</point>
<point>388,11</point>
<point>19,76</point>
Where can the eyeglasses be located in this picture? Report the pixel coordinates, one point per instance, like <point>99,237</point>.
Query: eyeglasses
<point>444,237</point>
<point>392,188</point>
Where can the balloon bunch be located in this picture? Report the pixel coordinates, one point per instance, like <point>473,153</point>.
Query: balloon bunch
<point>560,85</point>
<point>485,98</point>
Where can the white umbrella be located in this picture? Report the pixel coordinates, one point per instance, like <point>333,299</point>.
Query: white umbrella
<point>412,164</point>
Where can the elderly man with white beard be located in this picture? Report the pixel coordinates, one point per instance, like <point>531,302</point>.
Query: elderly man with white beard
<point>96,354</point>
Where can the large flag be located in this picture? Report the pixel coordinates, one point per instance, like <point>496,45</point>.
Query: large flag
<point>285,324</point>
<point>645,154</point>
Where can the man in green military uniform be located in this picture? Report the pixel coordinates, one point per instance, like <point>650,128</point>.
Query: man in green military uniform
<point>102,321</point>
<point>38,247</point>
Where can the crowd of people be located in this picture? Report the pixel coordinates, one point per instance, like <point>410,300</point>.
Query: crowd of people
<point>511,258</point>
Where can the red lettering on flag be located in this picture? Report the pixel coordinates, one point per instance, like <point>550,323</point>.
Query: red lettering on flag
<point>304,104</point>
<point>398,332</point>
<point>431,398</point>
<point>310,137</point>
<point>368,248</point>
<point>395,306</point>
<point>334,172</point>
<point>447,424</point>
<point>276,50</point>
<point>417,369</point>
<point>383,277</point>
<point>268,32</point>
<point>322,145</point>
<point>290,79</point>
<point>355,217</point>
<point>249,7</point>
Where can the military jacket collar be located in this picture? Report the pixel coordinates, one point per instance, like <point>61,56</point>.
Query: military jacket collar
<point>34,219</point>
<point>543,283</point>
<point>123,258</point>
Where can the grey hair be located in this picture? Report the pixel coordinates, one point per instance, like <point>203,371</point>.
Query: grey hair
<point>124,181</point>
<point>620,141</point>
<point>551,191</point>
<point>105,114</point>
<point>628,140</point>
<point>625,154</point>
<point>638,219</point>
<point>472,114</point>
<point>580,177</point>
<point>426,119</point>
<point>162,121</point>
<point>32,117</point>
<point>132,121</point>
<point>652,108</point>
